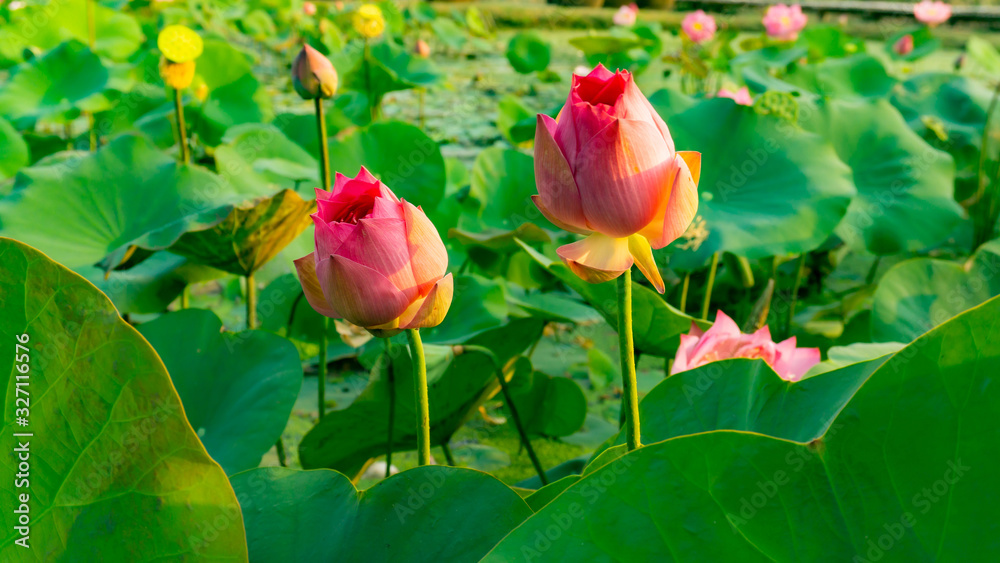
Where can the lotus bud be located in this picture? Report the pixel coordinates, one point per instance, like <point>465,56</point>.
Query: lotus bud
<point>903,46</point>
<point>368,21</point>
<point>309,9</point>
<point>313,75</point>
<point>422,49</point>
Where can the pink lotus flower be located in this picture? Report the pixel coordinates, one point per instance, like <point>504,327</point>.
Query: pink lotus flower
<point>606,168</point>
<point>723,341</point>
<point>379,262</point>
<point>903,46</point>
<point>784,22</point>
<point>309,9</point>
<point>741,96</point>
<point>626,15</point>
<point>931,13</point>
<point>698,26</point>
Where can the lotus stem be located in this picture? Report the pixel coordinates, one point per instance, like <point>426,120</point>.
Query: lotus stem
<point>251,302</point>
<point>420,98</point>
<point>181,128</point>
<point>983,227</point>
<point>91,41</point>
<point>372,104</point>
<point>420,394</point>
<point>448,457</point>
<point>800,265</point>
<point>321,371</point>
<point>525,441</point>
<point>684,292</point>
<point>392,405</point>
<point>324,149</point>
<point>708,286</point>
<point>626,350</point>
<point>186,297</point>
<point>279,447</point>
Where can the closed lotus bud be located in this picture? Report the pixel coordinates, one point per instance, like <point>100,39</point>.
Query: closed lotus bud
<point>379,262</point>
<point>422,49</point>
<point>606,168</point>
<point>904,45</point>
<point>179,44</point>
<point>368,21</point>
<point>309,9</point>
<point>724,341</point>
<point>313,75</point>
<point>176,75</point>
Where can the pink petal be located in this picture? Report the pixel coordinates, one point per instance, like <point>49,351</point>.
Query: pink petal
<point>428,257</point>
<point>579,123</point>
<point>430,310</point>
<point>791,362</point>
<point>537,200</point>
<point>381,244</point>
<point>623,174</point>
<point>329,236</point>
<point>682,361</point>
<point>361,294</point>
<point>673,219</point>
<point>556,186</point>
<point>597,258</point>
<point>306,267</point>
<point>634,105</point>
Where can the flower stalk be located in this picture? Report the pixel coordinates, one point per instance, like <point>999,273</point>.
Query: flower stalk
<point>391,375</point>
<point>626,350</point>
<point>707,302</point>
<point>420,395</point>
<point>181,127</point>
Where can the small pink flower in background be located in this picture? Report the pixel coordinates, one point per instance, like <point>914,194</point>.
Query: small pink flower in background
<point>698,26</point>
<point>904,45</point>
<point>931,13</point>
<point>625,16</point>
<point>724,341</point>
<point>309,9</point>
<point>784,22</point>
<point>422,49</point>
<point>581,70</point>
<point>741,96</point>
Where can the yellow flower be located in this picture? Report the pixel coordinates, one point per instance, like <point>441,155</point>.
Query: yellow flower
<point>368,21</point>
<point>179,44</point>
<point>177,75</point>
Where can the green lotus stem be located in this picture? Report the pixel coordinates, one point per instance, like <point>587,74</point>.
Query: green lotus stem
<point>321,371</point>
<point>684,292</point>
<point>420,394</point>
<point>392,404</point>
<point>372,103</point>
<point>251,302</point>
<point>181,128</point>
<point>983,227</point>
<point>708,286</point>
<point>186,297</point>
<point>279,447</point>
<point>626,350</point>
<point>525,441</point>
<point>799,266</point>
<point>420,97</point>
<point>91,25</point>
<point>448,457</point>
<point>324,149</point>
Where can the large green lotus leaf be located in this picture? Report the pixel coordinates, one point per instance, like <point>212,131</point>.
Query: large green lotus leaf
<point>151,285</point>
<point>863,491</point>
<point>949,112</point>
<point>237,388</point>
<point>400,154</point>
<point>82,208</point>
<point>917,295</point>
<point>502,184</point>
<point>117,34</point>
<point>427,514</point>
<point>527,52</point>
<point>116,472</point>
<point>234,94</point>
<point>391,68</point>
<point>55,83</point>
<point>548,406</point>
<point>852,77</point>
<point>656,325</point>
<point>826,41</point>
<point>13,150</point>
<point>747,395</point>
<point>253,233</point>
<point>261,155</point>
<point>347,439</point>
<point>767,187</point>
<point>905,187</point>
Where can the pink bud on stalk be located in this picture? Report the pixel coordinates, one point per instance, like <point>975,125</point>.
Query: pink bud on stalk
<point>606,168</point>
<point>723,341</point>
<point>904,45</point>
<point>379,262</point>
<point>313,75</point>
